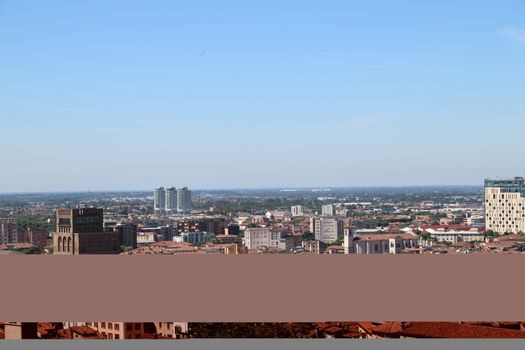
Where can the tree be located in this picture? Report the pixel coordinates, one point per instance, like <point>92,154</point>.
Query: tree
<point>124,249</point>
<point>308,236</point>
<point>490,233</point>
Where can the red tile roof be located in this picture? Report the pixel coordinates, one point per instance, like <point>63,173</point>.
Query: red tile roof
<point>456,330</point>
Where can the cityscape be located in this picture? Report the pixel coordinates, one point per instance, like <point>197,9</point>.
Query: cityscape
<point>489,219</point>
<point>261,170</point>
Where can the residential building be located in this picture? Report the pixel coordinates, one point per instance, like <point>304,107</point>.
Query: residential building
<point>232,230</point>
<point>328,210</point>
<point>456,236</point>
<point>171,200</point>
<point>184,204</point>
<point>174,330</point>
<point>264,238</point>
<point>327,229</point>
<point>81,231</point>
<point>159,201</point>
<point>119,330</point>
<point>505,205</point>
<point>162,233</point>
<point>38,238</point>
<point>147,237</point>
<point>8,231</point>
<point>297,210</point>
<point>193,237</point>
<point>127,235</point>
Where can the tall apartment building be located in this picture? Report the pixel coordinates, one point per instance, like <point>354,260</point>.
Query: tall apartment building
<point>297,210</point>
<point>184,205</point>
<point>159,202</point>
<point>8,231</point>
<point>171,200</point>
<point>505,205</point>
<point>327,229</point>
<point>81,231</point>
<point>328,210</point>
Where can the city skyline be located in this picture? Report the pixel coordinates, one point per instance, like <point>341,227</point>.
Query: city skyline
<point>123,95</point>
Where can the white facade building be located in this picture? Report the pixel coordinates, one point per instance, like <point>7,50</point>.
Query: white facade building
<point>297,210</point>
<point>328,210</point>
<point>193,237</point>
<point>327,229</point>
<point>184,204</point>
<point>171,200</point>
<point>456,236</point>
<point>505,205</point>
<point>159,202</point>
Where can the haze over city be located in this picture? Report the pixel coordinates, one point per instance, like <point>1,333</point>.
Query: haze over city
<point>126,95</point>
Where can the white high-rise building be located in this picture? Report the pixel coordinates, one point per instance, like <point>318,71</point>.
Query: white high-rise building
<point>505,205</point>
<point>159,203</point>
<point>171,200</point>
<point>328,210</point>
<point>297,210</point>
<point>327,229</point>
<point>184,204</point>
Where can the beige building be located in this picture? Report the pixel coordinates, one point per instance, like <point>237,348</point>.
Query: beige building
<point>119,330</point>
<point>262,237</point>
<point>505,205</point>
<point>20,330</point>
<point>175,330</point>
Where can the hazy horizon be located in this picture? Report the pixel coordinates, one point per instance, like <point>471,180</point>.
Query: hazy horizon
<point>279,188</point>
<point>104,95</point>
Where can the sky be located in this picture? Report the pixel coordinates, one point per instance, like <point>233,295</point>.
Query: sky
<point>124,95</point>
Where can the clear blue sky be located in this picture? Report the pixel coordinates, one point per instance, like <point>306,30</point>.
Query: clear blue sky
<point>110,94</point>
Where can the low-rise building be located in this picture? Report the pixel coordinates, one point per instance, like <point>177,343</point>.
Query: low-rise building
<point>262,237</point>
<point>194,237</point>
<point>390,243</point>
<point>456,236</point>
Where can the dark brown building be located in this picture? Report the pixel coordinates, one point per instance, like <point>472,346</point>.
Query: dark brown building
<point>81,231</point>
<point>127,235</point>
<point>38,238</point>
